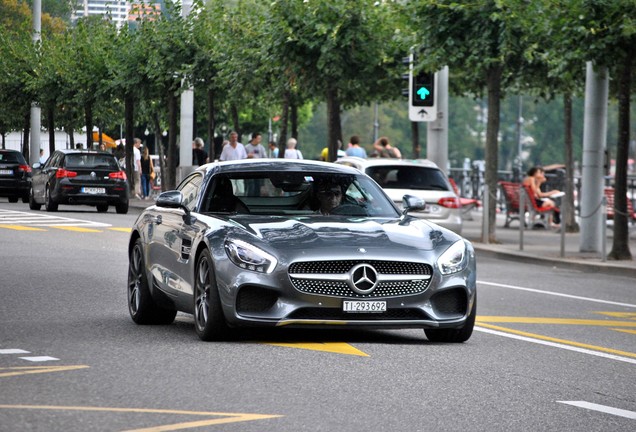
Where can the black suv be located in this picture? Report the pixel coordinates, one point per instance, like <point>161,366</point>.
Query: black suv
<point>79,177</point>
<point>15,176</point>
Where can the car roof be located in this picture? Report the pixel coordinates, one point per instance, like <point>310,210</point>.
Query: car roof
<point>9,151</point>
<point>265,165</point>
<point>82,151</point>
<point>364,163</point>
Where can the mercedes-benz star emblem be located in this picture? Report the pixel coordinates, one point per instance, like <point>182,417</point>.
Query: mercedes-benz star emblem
<point>93,174</point>
<point>363,278</point>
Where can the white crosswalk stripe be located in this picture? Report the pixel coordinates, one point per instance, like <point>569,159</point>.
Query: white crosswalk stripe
<point>12,217</point>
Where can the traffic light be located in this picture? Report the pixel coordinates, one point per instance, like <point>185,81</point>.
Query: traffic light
<point>421,94</point>
<point>423,89</point>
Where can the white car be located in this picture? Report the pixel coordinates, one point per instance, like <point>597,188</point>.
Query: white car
<point>422,179</point>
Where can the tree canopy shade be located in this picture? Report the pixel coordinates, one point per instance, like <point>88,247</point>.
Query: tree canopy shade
<point>344,50</point>
<point>482,46</point>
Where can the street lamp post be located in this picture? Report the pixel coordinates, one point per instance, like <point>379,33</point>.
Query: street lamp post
<point>36,122</point>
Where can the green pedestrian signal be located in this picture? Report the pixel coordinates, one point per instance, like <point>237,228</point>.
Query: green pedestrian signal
<point>423,91</point>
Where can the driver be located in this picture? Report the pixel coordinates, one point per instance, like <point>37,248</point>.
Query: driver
<point>329,197</point>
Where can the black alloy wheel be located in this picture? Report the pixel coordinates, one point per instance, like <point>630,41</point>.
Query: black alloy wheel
<point>454,335</point>
<point>142,307</point>
<point>209,320</point>
<point>122,208</point>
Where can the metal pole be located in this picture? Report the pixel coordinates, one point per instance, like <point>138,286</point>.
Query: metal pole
<point>564,217</point>
<point>376,123</point>
<point>604,228</point>
<point>486,215</point>
<point>36,113</point>
<point>522,215</point>
<point>519,146</point>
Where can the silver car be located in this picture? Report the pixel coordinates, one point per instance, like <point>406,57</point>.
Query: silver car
<point>298,244</point>
<point>423,179</point>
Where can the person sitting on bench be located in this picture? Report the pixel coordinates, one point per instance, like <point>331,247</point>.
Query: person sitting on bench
<point>535,177</point>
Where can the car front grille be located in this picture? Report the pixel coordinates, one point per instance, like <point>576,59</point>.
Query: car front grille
<point>331,278</point>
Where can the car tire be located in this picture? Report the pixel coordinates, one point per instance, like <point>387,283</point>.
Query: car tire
<point>209,320</point>
<point>454,335</point>
<point>141,305</point>
<point>49,203</point>
<point>102,208</point>
<point>13,199</point>
<point>32,204</point>
<point>122,208</point>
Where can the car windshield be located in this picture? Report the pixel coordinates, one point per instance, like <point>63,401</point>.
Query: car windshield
<point>91,160</point>
<point>296,193</point>
<point>409,177</point>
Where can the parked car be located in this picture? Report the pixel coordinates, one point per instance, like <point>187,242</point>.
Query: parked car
<point>249,243</point>
<point>423,179</point>
<point>83,177</point>
<point>15,176</point>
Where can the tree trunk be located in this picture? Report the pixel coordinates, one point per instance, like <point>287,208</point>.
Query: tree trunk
<point>173,150</point>
<point>129,121</point>
<point>235,121</point>
<point>293,117</point>
<point>50,116</point>
<point>211,123</point>
<point>160,149</point>
<point>415,133</point>
<point>27,132</point>
<point>620,246</point>
<point>284,119</point>
<point>333,123</point>
<point>568,218</point>
<point>492,148</point>
<point>88,113</point>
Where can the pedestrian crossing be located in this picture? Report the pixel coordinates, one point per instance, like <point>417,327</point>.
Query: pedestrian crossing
<point>25,221</point>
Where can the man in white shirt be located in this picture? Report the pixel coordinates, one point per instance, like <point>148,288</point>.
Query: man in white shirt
<point>254,148</point>
<point>234,150</point>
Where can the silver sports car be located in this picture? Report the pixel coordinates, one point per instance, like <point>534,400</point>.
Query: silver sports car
<point>296,243</point>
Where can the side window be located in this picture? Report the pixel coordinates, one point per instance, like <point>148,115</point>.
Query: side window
<point>54,160</point>
<point>190,190</point>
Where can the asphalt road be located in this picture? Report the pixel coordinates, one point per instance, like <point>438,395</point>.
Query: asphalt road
<point>553,350</point>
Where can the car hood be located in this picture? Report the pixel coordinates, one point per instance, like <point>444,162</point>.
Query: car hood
<point>328,232</point>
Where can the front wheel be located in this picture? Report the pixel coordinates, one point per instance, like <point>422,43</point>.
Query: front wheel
<point>142,307</point>
<point>49,203</point>
<point>209,320</point>
<point>455,335</point>
<point>32,204</point>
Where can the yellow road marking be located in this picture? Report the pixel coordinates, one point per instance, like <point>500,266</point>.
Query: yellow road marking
<point>561,321</point>
<point>21,227</point>
<point>332,347</point>
<point>120,229</point>
<point>76,229</point>
<point>225,417</point>
<point>561,341</point>
<point>26,370</point>
<point>628,315</point>
<point>625,331</point>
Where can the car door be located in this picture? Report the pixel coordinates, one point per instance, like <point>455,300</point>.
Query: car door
<point>170,246</point>
<point>41,176</point>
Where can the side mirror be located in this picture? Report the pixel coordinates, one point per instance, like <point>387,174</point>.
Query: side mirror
<point>174,199</point>
<point>411,203</point>
<point>36,165</point>
<point>170,199</point>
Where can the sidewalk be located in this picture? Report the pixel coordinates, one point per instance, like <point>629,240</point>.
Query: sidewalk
<point>540,246</point>
<point>543,246</point>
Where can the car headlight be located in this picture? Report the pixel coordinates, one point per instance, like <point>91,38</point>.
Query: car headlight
<point>453,260</point>
<point>249,257</point>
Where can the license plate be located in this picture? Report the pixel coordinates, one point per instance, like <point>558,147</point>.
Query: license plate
<point>364,306</point>
<point>6,172</point>
<point>93,190</point>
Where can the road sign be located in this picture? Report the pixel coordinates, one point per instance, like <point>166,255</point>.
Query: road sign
<point>422,103</point>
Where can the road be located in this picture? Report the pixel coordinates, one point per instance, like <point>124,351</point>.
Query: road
<point>552,350</point>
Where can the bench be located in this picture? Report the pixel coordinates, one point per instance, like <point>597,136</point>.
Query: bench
<point>511,193</point>
<point>467,204</point>
<point>611,209</point>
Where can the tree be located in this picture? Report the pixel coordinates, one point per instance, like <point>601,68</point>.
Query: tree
<point>344,50</point>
